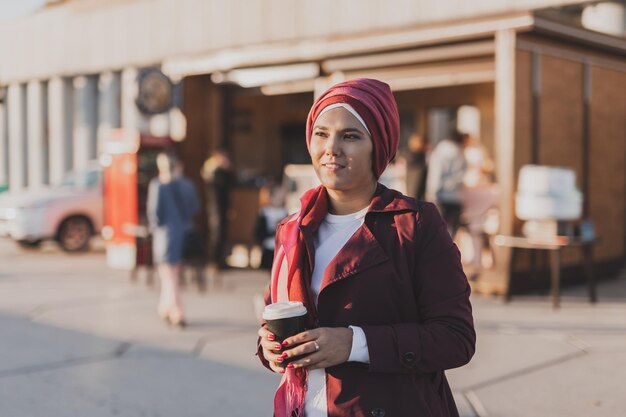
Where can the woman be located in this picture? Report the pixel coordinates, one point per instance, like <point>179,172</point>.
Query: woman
<point>388,303</point>
<point>172,203</point>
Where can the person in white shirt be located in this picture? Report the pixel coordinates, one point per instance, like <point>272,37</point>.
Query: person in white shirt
<point>444,183</point>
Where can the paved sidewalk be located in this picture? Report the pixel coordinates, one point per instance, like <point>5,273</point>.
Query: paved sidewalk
<point>533,361</point>
<point>80,340</point>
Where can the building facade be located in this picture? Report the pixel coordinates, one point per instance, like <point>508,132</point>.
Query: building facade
<point>548,89</point>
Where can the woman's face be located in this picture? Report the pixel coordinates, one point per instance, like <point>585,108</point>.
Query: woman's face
<point>341,151</point>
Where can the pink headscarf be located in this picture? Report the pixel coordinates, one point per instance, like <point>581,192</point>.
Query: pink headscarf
<point>374,102</point>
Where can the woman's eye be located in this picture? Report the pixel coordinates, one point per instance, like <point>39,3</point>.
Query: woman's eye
<point>351,136</point>
<point>320,134</point>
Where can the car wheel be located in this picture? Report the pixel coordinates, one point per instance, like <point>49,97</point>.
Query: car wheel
<point>29,244</point>
<point>74,234</point>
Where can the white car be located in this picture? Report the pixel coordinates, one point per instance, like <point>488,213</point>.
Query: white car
<point>70,213</point>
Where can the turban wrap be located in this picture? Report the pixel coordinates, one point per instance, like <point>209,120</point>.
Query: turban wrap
<point>374,102</point>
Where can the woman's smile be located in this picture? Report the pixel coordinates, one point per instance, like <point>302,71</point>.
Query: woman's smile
<point>333,166</point>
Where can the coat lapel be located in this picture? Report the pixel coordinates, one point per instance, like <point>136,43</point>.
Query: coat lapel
<point>362,251</point>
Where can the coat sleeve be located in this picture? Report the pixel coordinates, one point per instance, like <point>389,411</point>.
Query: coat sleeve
<point>444,338</point>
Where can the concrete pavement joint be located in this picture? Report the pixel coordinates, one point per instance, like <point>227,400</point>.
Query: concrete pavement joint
<point>207,339</point>
<point>118,352</point>
<point>199,347</point>
<point>122,349</point>
<point>540,329</point>
<point>477,406</point>
<point>79,302</point>
<point>528,370</point>
<point>578,343</point>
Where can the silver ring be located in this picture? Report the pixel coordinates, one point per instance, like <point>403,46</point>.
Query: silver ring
<point>317,347</point>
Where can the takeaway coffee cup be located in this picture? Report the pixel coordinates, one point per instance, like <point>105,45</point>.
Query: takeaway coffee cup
<point>285,319</point>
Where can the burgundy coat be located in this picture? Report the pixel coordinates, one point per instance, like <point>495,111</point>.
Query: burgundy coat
<point>399,277</point>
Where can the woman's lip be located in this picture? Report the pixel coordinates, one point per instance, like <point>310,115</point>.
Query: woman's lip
<point>331,165</point>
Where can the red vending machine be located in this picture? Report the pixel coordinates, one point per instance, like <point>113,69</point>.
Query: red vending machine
<point>129,161</point>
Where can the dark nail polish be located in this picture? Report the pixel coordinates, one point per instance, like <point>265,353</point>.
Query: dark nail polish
<point>285,344</point>
<point>278,346</point>
<point>271,337</point>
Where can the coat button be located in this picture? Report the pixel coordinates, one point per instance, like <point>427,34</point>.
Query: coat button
<point>378,412</point>
<point>408,357</point>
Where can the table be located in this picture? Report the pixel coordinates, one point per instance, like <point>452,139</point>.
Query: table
<point>555,245</point>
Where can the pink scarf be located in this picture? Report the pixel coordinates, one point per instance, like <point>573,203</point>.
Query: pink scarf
<point>291,281</point>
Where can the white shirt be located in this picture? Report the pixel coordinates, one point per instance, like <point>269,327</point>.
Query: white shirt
<point>333,234</point>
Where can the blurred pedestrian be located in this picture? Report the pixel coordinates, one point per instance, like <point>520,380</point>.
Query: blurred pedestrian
<point>172,203</point>
<point>480,166</point>
<point>480,196</point>
<point>218,177</point>
<point>271,212</point>
<point>415,157</point>
<point>444,185</point>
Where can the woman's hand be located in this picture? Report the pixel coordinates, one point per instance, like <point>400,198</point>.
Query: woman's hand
<point>324,347</point>
<point>271,350</point>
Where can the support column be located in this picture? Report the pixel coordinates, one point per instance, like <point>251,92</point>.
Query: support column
<point>586,139</point>
<point>85,120</point>
<point>109,110</point>
<point>505,136</point>
<point>60,104</point>
<point>505,125</point>
<point>4,141</point>
<point>131,116</point>
<point>17,137</point>
<point>536,103</point>
<point>37,132</point>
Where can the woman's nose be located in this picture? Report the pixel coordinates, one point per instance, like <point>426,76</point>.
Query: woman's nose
<point>332,145</point>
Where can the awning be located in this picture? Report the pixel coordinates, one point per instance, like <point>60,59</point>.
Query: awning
<point>432,75</point>
<point>466,63</point>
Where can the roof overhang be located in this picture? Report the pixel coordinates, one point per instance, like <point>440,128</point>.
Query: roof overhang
<point>326,49</point>
<point>453,42</point>
<point>580,35</point>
